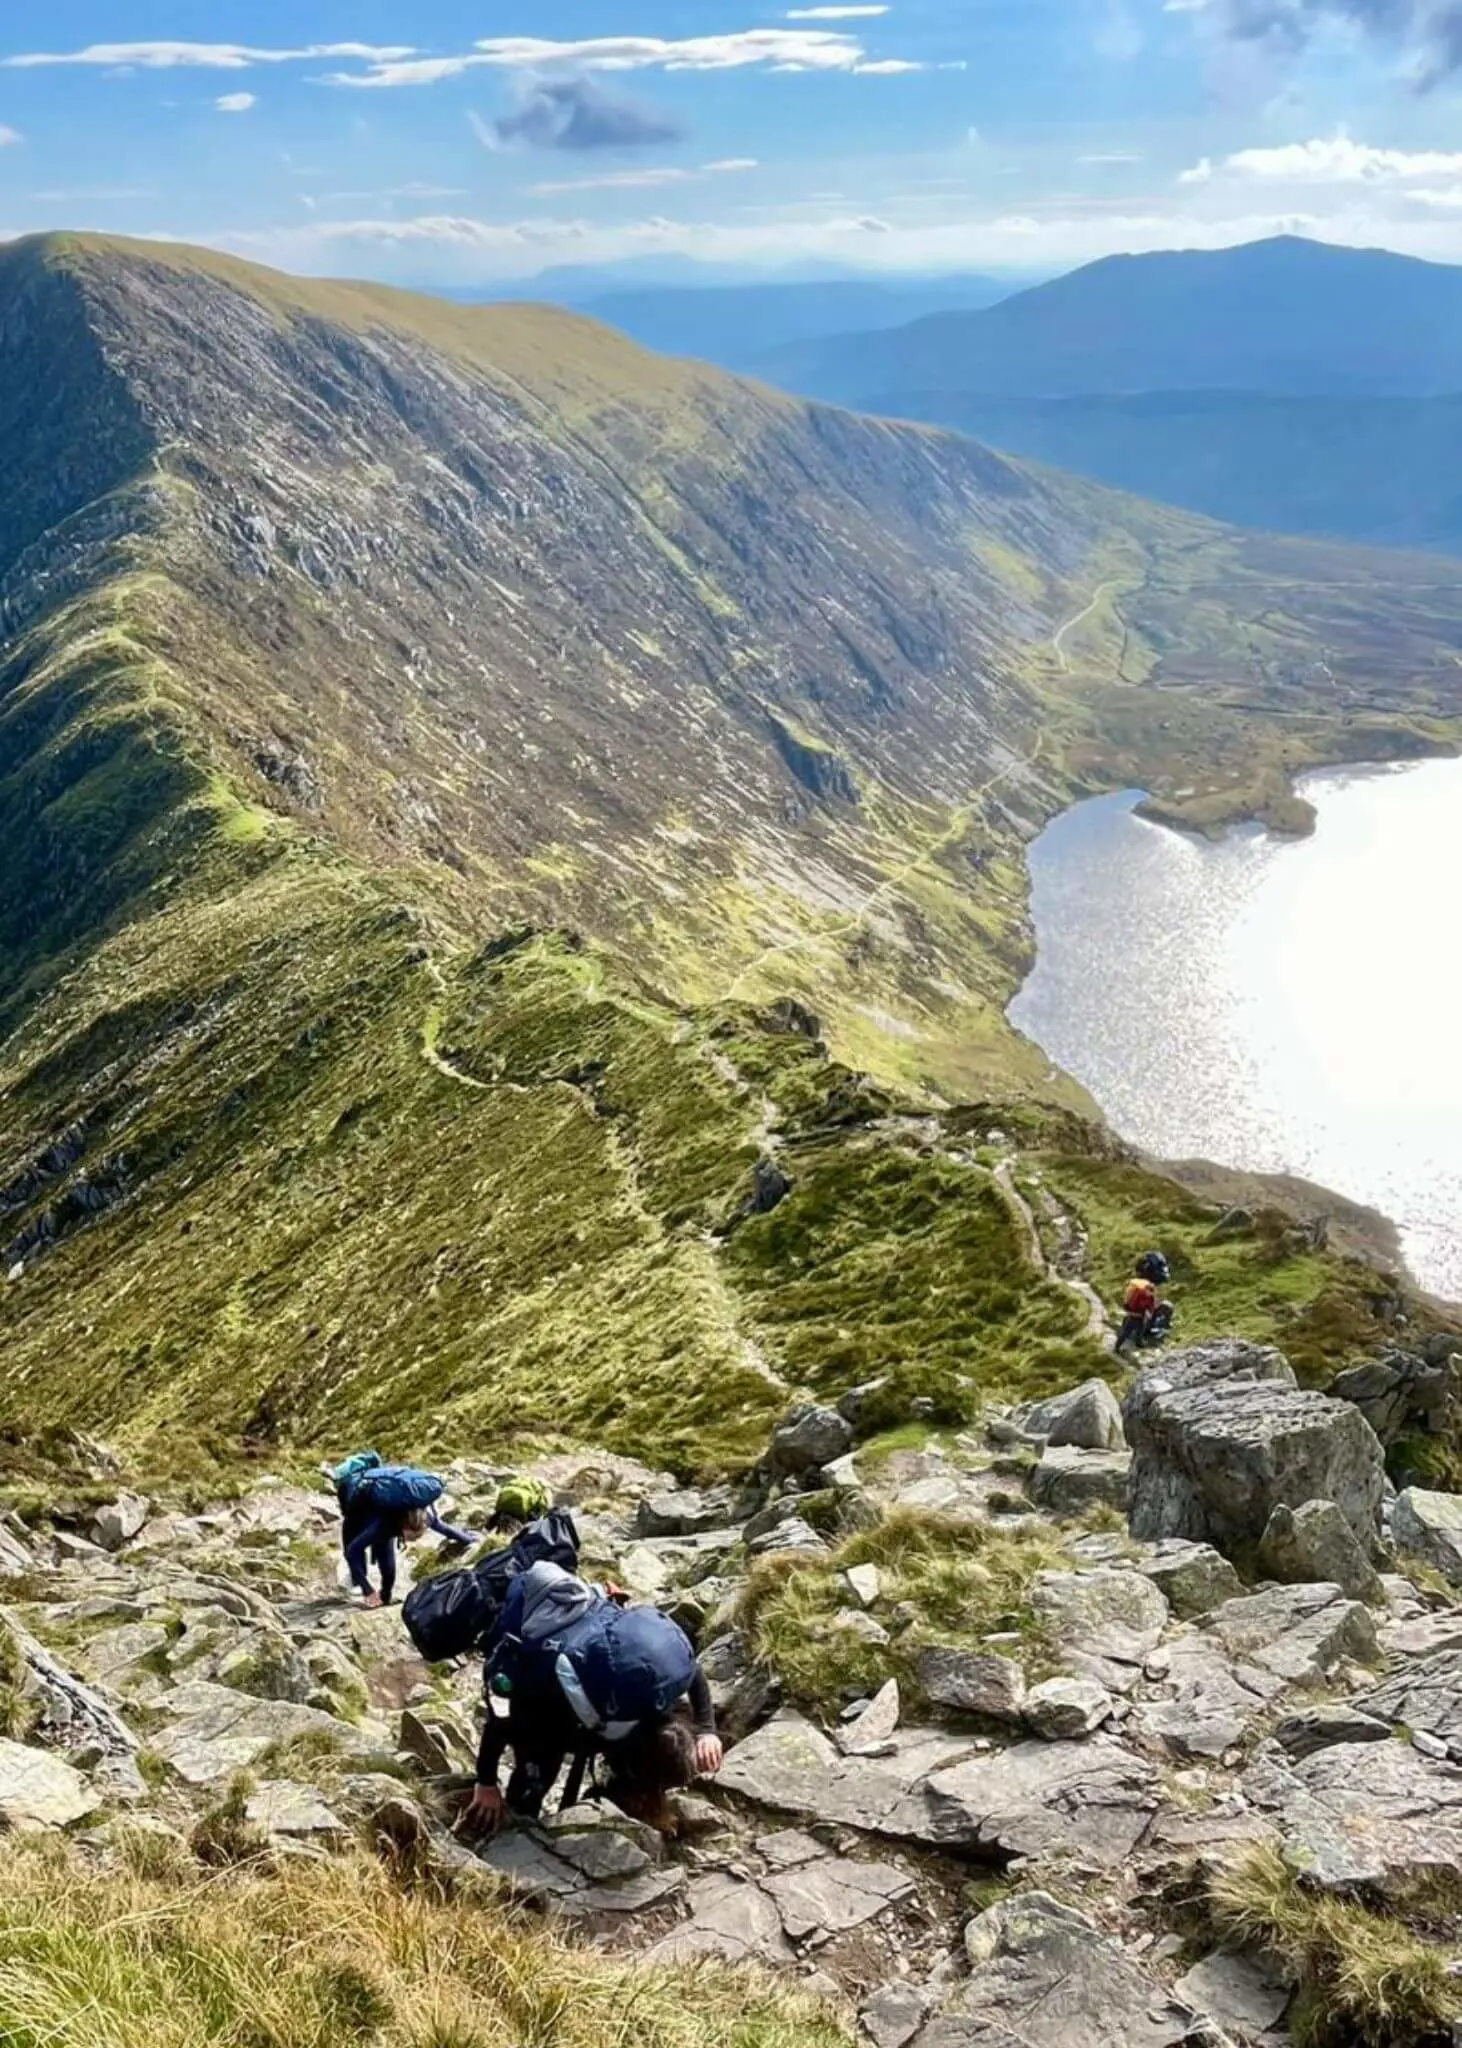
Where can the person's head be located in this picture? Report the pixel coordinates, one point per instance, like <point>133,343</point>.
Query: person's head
<point>658,1759</point>
<point>415,1526</point>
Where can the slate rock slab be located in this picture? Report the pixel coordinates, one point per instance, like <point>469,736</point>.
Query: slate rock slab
<point>1042,1976</point>
<point>1376,1814</point>
<point>1429,1526</point>
<point>834,1895</point>
<point>1425,1695</point>
<point>41,1790</point>
<point>214,1732</point>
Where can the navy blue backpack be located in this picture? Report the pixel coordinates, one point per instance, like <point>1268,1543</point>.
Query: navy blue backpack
<point>617,1666</point>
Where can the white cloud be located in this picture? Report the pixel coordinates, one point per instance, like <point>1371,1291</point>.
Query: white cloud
<point>780,49</point>
<point>201,56</point>
<point>646,180</point>
<point>1114,156</point>
<point>1332,160</point>
<point>835,13</point>
<point>9,137</point>
<point>237,103</point>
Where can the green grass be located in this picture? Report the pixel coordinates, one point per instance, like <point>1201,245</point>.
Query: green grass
<point>1367,1978</point>
<point>963,1581</point>
<point>336,1954</point>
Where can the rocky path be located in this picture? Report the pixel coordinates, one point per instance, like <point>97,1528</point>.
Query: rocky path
<point>1155,1719</point>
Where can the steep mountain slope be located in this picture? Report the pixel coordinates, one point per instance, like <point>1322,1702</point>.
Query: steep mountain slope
<point>429,739</point>
<point>1285,315</point>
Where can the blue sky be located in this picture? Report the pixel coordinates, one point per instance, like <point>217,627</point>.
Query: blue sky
<point>478,143</point>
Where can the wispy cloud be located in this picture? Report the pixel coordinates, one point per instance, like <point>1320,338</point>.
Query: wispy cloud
<point>1113,156</point>
<point>649,179</point>
<point>236,103</point>
<point>577,115</point>
<point>202,56</point>
<point>778,49</point>
<point>1331,160</point>
<point>9,138</point>
<point>1429,30</point>
<point>835,13</point>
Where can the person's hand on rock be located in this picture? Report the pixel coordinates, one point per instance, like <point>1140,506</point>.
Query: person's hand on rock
<point>710,1754</point>
<point>485,1812</point>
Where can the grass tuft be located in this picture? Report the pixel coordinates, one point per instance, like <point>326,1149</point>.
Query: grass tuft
<point>944,1580</point>
<point>1367,1979</point>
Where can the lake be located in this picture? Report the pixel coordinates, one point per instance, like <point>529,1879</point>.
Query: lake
<point>1280,1006</point>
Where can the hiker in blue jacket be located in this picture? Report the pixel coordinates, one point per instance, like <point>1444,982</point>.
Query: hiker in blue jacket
<point>369,1537</point>
<point>383,1505</point>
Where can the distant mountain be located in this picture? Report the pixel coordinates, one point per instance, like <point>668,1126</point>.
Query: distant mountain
<point>1285,384</point>
<point>1283,316</point>
<point>1383,470</point>
<point>735,325</point>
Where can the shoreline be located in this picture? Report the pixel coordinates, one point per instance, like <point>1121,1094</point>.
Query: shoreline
<point>1360,1229</point>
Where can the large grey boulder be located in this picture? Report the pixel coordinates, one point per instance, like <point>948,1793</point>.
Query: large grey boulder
<point>1428,1526</point>
<point>808,1438</point>
<point>1067,1709</point>
<point>1042,1976</point>
<point>1247,1994</point>
<point>684,1514</point>
<point>114,1526</point>
<point>1069,1483</point>
<point>1089,1418</point>
<point>1222,1436</point>
<point>1313,1545</point>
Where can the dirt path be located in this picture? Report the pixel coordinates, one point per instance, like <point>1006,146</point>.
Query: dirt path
<point>1025,1221</point>
<point>1058,638</point>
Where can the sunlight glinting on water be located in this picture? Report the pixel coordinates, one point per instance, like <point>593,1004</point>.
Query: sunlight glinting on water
<point>1277,1006</point>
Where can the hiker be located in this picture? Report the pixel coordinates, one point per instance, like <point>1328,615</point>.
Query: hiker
<point>380,1506</point>
<point>1146,1318</point>
<point>1138,1308</point>
<point>584,1675</point>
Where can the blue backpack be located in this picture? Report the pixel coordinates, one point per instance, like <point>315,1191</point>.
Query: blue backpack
<point>400,1489</point>
<point>616,1666</point>
<point>348,1476</point>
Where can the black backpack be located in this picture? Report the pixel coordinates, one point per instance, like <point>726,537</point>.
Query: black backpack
<point>449,1616</point>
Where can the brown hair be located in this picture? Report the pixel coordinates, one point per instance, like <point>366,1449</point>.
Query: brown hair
<point>658,1759</point>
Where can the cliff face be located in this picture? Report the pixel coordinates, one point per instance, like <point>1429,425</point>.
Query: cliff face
<point>424,731</point>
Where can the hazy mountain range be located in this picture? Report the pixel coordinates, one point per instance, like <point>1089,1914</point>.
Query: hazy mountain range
<point>1289,385</point>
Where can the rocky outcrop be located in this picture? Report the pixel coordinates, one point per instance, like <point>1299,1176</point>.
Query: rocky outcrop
<point>1089,1418</point>
<point>1223,1436</point>
<point>1428,1526</point>
<point>1403,1393</point>
<point>1315,1544</point>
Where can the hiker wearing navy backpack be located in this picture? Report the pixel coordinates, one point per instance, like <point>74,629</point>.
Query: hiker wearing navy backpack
<point>382,1505</point>
<point>582,1675</point>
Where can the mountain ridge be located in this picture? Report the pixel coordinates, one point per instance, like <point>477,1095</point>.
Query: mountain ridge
<point>477,810</point>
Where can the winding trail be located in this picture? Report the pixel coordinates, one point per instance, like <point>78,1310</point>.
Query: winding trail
<point>1024,1217</point>
<point>1058,638</point>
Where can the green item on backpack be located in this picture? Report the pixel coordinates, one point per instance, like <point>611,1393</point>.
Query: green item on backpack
<point>523,1500</point>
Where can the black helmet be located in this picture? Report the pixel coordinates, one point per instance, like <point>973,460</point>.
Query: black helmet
<point>1154,1267</point>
